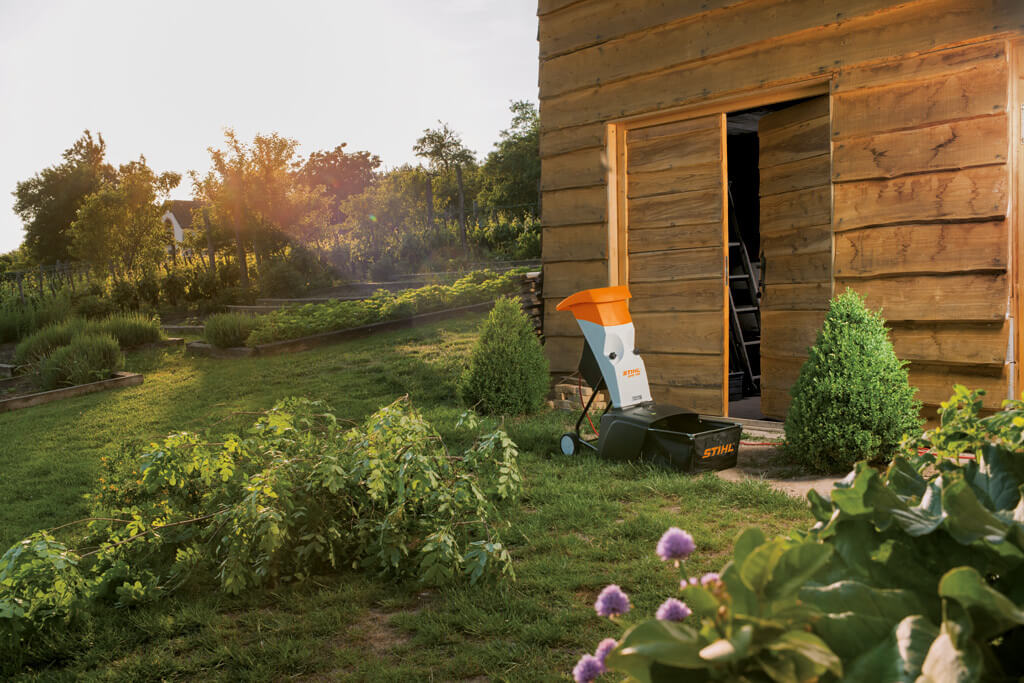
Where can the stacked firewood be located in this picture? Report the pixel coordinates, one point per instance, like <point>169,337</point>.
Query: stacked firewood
<point>572,393</point>
<point>533,303</point>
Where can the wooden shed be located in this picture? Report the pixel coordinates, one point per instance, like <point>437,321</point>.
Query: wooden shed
<point>750,158</point>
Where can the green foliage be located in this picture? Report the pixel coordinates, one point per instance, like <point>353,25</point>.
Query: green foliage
<point>93,307</point>
<point>296,496</point>
<point>18,319</point>
<point>172,287</point>
<point>914,573</point>
<point>124,295</point>
<point>228,330</point>
<point>39,344</point>
<point>281,278</point>
<point>510,236</point>
<point>148,288</point>
<point>132,329</point>
<point>301,321</point>
<point>88,357</point>
<point>852,400</point>
<point>510,176</point>
<point>508,372</point>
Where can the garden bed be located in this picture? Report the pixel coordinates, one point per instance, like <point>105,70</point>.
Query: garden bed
<point>325,338</point>
<point>118,381</point>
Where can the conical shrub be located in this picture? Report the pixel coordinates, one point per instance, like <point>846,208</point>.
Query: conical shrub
<point>508,373</point>
<point>852,400</point>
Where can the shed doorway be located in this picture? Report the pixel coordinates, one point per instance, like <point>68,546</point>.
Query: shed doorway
<point>779,247</point>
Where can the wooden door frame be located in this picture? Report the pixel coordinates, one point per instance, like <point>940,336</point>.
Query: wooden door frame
<point>615,151</point>
<point>1015,159</point>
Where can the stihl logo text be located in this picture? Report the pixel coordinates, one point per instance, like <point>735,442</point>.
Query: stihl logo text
<point>718,450</point>
<point>635,372</point>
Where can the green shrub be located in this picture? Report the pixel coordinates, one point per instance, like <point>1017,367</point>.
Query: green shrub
<point>281,278</point>
<point>40,343</point>
<point>89,357</point>
<point>200,285</point>
<point>910,574</point>
<point>20,318</point>
<point>508,373</point>
<point>132,329</point>
<point>228,330</point>
<point>173,288</point>
<point>148,289</point>
<point>94,307</point>
<point>124,295</point>
<point>852,400</point>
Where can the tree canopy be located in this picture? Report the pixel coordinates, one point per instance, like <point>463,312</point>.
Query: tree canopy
<point>341,173</point>
<point>48,201</point>
<point>510,176</point>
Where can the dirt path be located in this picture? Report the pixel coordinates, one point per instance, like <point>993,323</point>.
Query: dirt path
<point>767,463</point>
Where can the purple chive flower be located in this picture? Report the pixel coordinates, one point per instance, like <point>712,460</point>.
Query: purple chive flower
<point>611,602</point>
<point>692,581</point>
<point>604,647</point>
<point>675,544</point>
<point>587,669</point>
<point>710,577</point>
<point>673,610</point>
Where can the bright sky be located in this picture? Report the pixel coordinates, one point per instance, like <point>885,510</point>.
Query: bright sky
<point>164,79</point>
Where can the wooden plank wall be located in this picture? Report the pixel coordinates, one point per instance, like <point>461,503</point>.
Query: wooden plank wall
<point>796,240</point>
<point>606,60</point>
<point>676,208</point>
<point>921,180</point>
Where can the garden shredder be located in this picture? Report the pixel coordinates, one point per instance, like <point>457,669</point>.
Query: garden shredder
<point>633,426</point>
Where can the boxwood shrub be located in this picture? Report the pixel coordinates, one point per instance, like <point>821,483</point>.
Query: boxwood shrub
<point>852,400</point>
<point>89,357</point>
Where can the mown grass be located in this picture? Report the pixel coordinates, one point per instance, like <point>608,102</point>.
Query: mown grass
<point>582,523</point>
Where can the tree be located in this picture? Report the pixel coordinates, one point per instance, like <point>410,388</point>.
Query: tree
<point>255,192</point>
<point>49,201</point>
<point>341,173</point>
<point>119,227</point>
<point>443,149</point>
<point>510,176</point>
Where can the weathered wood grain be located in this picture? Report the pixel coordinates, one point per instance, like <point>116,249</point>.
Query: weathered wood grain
<point>904,29</point>
<point>692,332</point>
<point>789,333</point>
<point>554,142</point>
<point>690,149</point>
<point>683,208</point>
<point>575,242</point>
<point>793,143</point>
<point>802,174</point>
<point>798,268</point>
<point>797,114</point>
<point>677,296</point>
<point>564,278</point>
<point>795,210</point>
<point>775,404</point>
<point>951,344</point>
<point>971,194</point>
<point>806,296</point>
<point>678,237</point>
<point>563,352</point>
<point>935,384</point>
<point>947,97</point>
<point>708,34</point>
<point>684,369</point>
<point>703,401</point>
<point>918,67</point>
<point>813,239</point>
<point>574,207</point>
<point>935,298</point>
<point>582,168</point>
<point>960,144</point>
<point>922,249</point>
<point>678,179</point>
<point>677,264</point>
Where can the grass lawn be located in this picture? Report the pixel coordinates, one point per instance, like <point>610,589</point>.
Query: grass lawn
<point>582,523</point>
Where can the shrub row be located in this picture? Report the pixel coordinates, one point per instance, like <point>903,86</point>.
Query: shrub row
<point>309,319</point>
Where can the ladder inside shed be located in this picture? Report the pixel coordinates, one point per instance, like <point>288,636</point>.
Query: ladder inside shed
<point>744,313</point>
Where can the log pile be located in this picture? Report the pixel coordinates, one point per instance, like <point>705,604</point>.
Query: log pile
<point>532,301</point>
<point>567,392</point>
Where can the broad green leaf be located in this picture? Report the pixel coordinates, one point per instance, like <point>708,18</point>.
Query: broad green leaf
<point>795,566</point>
<point>700,600</point>
<point>748,540</point>
<point>903,479</point>
<point>946,663</point>
<point>757,569</point>
<point>899,657</point>
<point>810,648</point>
<point>991,611</point>
<point>653,641</point>
<point>967,519</point>
<point>856,615</point>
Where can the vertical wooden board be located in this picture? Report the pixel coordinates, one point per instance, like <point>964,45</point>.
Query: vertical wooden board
<point>947,97</point>
<point>575,243</point>
<point>921,249</point>
<point>564,278</point>
<point>939,147</point>
<point>982,298</point>
<point>582,168</point>
<point>971,194</point>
